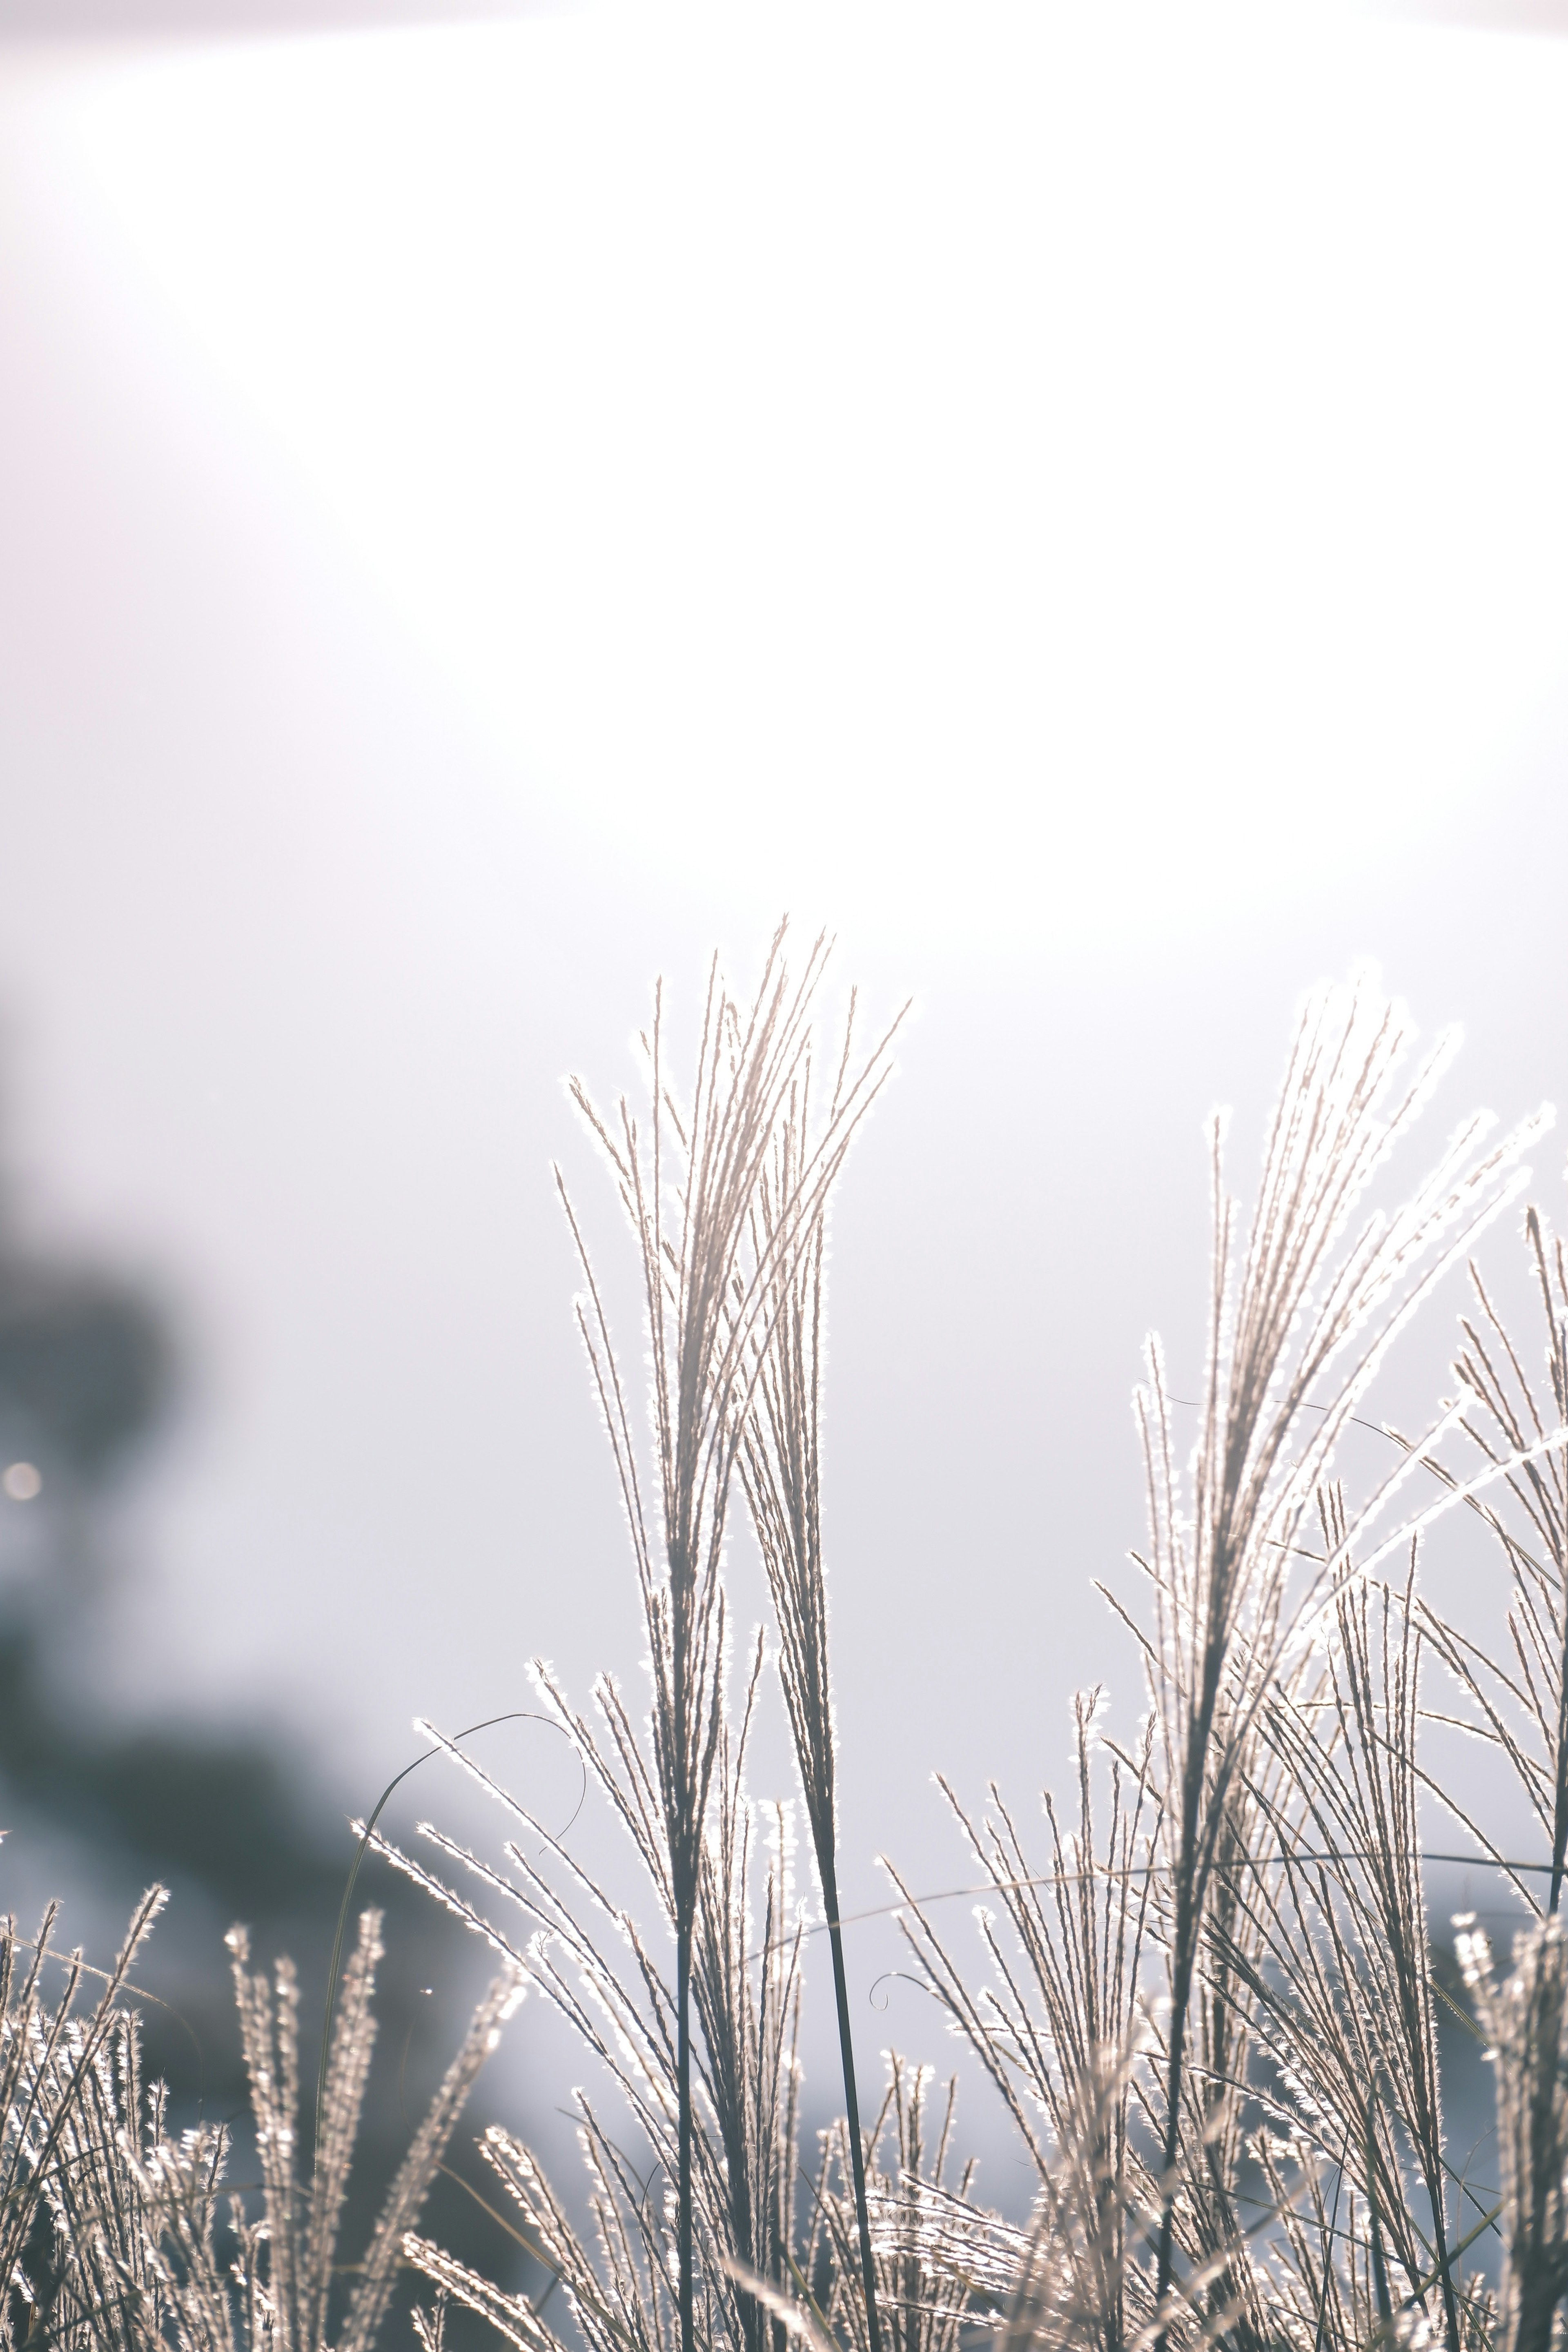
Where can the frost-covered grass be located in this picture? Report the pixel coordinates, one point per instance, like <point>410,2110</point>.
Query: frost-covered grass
<point>1209,1995</point>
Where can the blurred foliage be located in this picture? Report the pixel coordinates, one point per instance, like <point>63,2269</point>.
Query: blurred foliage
<point>227,1817</point>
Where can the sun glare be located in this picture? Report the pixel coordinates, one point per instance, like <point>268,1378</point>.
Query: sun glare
<point>1035,467</point>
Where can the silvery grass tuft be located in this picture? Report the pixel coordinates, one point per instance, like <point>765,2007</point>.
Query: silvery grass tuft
<point>724,1261</point>
<point>107,2224</point>
<point>1526,2022</point>
<point>726,1196</point>
<point>1211,2011</point>
<point>1300,1316</point>
<point>1265,1740</point>
<point>58,2070</point>
<point>1210,2001</point>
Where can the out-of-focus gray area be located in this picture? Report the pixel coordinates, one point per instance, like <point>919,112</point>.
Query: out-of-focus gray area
<point>294,953</point>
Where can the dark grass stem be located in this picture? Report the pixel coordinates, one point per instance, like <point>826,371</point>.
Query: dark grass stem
<point>852,2109</point>
<point>780,1468</point>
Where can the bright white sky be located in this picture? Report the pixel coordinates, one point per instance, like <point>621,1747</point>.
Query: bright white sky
<point>1030,466</point>
<point>1029,477</point>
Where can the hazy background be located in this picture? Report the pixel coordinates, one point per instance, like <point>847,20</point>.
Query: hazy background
<point>491,508</point>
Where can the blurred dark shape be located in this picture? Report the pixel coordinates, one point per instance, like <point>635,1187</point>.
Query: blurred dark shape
<point>229,1820</point>
<point>84,1368</point>
<point>224,1816</point>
